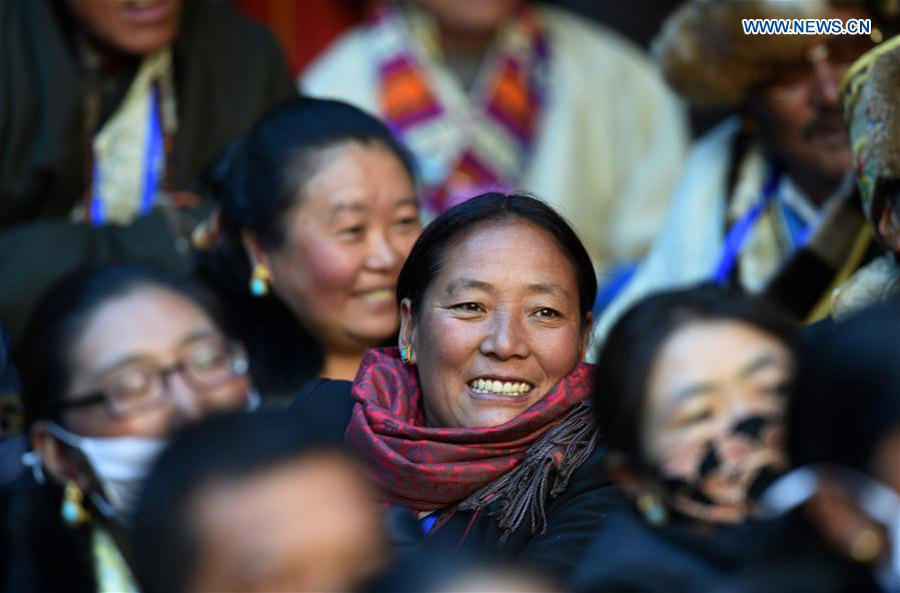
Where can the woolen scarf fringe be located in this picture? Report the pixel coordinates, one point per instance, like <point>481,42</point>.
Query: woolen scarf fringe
<point>522,492</point>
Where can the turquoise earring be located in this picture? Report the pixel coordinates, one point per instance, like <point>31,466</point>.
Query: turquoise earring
<point>651,506</point>
<point>259,281</point>
<point>72,511</point>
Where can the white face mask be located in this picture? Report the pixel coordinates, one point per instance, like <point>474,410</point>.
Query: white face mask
<point>119,463</point>
<point>879,502</point>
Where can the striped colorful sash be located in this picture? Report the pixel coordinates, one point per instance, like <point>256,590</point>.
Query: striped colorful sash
<point>464,143</point>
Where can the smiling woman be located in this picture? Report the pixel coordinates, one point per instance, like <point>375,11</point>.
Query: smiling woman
<point>318,213</point>
<point>501,324</point>
<point>479,422</point>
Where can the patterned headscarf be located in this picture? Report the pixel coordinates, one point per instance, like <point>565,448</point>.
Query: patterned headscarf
<point>870,97</point>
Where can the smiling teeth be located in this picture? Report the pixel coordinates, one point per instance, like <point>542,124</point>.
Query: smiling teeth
<point>379,295</point>
<point>499,387</point>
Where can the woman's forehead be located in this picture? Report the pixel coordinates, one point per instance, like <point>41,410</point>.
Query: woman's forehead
<point>352,173</point>
<point>703,357</point>
<point>506,251</point>
<point>146,321</point>
<point>718,345</point>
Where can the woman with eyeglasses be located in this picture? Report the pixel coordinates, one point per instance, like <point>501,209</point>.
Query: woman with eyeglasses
<point>112,361</point>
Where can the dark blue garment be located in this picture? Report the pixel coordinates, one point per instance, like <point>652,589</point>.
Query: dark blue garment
<point>9,381</point>
<point>780,556</point>
<point>12,446</point>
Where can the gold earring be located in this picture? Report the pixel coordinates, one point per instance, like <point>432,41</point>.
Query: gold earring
<point>72,511</point>
<point>259,281</point>
<point>866,546</point>
<point>406,354</point>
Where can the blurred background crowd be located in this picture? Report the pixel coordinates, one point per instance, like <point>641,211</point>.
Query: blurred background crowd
<point>448,295</point>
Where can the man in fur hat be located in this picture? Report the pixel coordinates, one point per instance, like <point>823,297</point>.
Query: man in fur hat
<point>765,200</point>
<point>870,96</point>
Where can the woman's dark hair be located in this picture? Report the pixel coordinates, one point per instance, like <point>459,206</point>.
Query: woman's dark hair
<point>427,256</point>
<point>256,181</point>
<point>846,396</point>
<point>43,356</point>
<point>625,359</point>
<point>226,446</point>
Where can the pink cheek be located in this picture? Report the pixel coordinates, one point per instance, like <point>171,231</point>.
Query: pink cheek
<point>154,424</point>
<point>558,355</point>
<point>331,268</point>
<point>681,458</point>
<point>407,246</point>
<point>681,452</point>
<point>453,340</point>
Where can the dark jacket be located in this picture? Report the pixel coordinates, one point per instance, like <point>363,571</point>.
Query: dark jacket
<point>227,72</point>
<point>38,553</point>
<point>771,556</point>
<point>573,517</point>
<point>12,442</point>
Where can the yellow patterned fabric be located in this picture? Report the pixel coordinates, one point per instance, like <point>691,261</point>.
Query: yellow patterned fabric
<point>119,147</point>
<point>113,574</point>
<point>764,250</point>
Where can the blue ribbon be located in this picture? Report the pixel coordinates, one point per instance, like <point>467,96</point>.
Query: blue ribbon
<point>736,237</point>
<point>797,227</point>
<point>154,164</point>
<point>428,522</point>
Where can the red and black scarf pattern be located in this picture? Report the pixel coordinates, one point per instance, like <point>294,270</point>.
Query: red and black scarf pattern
<point>427,468</point>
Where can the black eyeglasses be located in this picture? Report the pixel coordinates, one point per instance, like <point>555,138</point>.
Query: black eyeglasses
<point>204,365</point>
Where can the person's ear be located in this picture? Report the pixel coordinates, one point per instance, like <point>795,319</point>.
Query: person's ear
<point>407,337</point>
<point>889,228</point>
<point>586,331</point>
<point>255,254</point>
<point>55,458</point>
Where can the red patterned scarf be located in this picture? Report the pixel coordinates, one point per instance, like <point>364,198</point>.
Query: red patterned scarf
<point>427,468</point>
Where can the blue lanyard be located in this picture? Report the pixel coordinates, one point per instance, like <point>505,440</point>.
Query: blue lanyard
<point>798,228</point>
<point>428,522</point>
<point>154,163</point>
<point>736,237</point>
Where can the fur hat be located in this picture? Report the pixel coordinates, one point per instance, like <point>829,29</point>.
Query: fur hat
<point>870,98</point>
<point>706,57</point>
